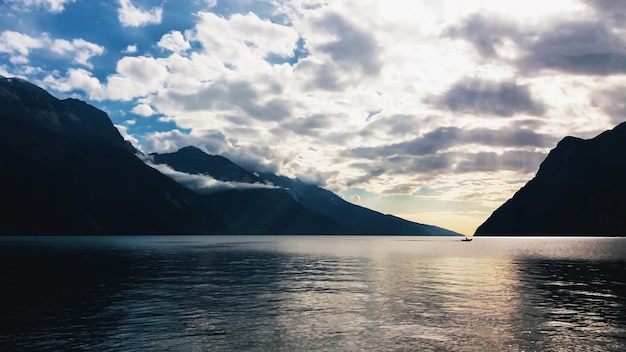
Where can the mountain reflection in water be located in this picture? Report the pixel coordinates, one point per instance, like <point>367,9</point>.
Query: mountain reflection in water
<point>312,293</point>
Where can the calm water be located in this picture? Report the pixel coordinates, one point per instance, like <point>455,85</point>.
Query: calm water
<point>312,294</point>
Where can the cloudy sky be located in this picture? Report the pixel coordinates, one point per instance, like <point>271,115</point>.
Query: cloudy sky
<point>435,110</point>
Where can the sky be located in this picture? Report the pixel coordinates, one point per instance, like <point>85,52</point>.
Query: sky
<point>436,111</point>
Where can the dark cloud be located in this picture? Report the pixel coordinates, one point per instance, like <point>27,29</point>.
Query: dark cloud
<point>612,102</point>
<point>226,95</point>
<point>485,33</point>
<point>353,45</point>
<point>313,125</point>
<point>371,173</point>
<point>398,125</point>
<point>577,47</point>
<point>429,166</point>
<point>519,160</point>
<point>612,10</point>
<point>589,46</point>
<point>445,137</point>
<point>400,189</point>
<point>323,76</point>
<point>489,98</point>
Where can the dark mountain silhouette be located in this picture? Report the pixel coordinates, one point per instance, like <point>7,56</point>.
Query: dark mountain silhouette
<point>354,218</point>
<point>67,170</point>
<point>580,189</point>
<point>325,209</point>
<point>268,211</point>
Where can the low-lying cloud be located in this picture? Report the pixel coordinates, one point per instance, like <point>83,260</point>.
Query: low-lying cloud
<point>202,183</point>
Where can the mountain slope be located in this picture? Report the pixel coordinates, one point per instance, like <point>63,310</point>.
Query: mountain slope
<point>247,210</point>
<point>67,170</point>
<point>355,219</point>
<point>325,209</point>
<point>580,189</point>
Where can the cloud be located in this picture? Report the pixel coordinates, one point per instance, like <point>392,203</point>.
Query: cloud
<point>202,183</point>
<point>242,40</point>
<point>238,95</point>
<point>580,47</point>
<point>80,49</point>
<point>174,41</point>
<point>610,9</point>
<point>128,137</point>
<point>518,160</point>
<point>444,138</point>
<point>589,46</point>
<point>131,49</point>
<point>19,45</point>
<point>613,102</point>
<point>486,33</point>
<point>479,96</point>
<point>54,6</point>
<point>135,77</point>
<point>432,166</point>
<point>353,47</point>
<point>144,110</point>
<point>131,16</point>
<point>76,79</point>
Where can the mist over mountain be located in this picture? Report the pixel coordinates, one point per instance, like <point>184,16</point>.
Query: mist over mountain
<point>67,170</point>
<point>580,189</point>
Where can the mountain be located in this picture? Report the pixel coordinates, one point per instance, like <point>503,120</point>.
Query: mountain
<point>355,219</point>
<point>580,189</point>
<point>67,170</point>
<point>268,211</point>
<point>326,210</point>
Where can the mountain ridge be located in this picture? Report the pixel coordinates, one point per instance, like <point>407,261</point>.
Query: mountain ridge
<point>579,189</point>
<point>67,170</point>
<point>351,218</point>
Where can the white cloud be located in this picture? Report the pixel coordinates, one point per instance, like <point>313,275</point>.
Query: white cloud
<point>19,45</point>
<point>128,137</point>
<point>131,49</point>
<point>202,183</point>
<point>81,50</point>
<point>174,41</point>
<point>143,110</point>
<point>135,77</point>
<point>131,16</point>
<point>54,6</point>
<point>242,40</point>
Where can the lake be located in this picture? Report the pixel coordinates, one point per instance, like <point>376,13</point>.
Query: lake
<point>306,293</point>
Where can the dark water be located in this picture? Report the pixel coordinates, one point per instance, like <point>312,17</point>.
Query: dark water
<point>312,294</point>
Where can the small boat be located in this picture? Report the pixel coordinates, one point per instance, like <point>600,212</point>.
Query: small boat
<point>467,239</point>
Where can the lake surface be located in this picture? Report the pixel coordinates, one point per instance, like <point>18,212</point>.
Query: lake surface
<point>300,293</point>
